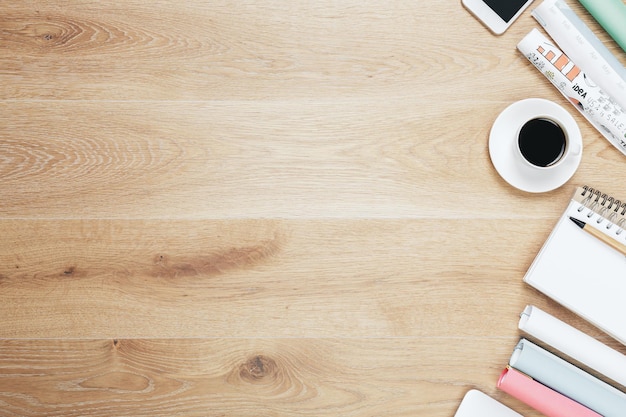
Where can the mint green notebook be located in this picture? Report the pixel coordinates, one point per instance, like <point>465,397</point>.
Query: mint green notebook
<point>611,15</point>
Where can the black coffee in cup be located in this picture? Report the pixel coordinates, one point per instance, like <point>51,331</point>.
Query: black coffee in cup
<point>542,142</point>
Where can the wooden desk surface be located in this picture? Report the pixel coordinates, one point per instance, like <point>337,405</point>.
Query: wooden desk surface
<point>264,208</point>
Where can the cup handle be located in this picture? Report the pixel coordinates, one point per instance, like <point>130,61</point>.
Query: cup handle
<point>576,149</point>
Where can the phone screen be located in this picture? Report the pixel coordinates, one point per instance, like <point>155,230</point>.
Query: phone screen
<point>506,9</point>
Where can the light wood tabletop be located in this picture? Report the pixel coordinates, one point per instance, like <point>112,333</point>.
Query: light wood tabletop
<point>264,208</point>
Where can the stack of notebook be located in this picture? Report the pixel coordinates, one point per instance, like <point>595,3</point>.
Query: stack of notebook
<point>595,290</point>
<point>582,266</point>
<point>556,387</point>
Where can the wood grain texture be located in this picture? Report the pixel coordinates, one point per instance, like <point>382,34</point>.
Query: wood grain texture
<point>266,278</point>
<point>264,208</point>
<point>238,159</point>
<point>248,377</point>
<point>241,50</point>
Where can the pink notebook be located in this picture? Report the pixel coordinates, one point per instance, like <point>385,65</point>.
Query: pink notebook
<point>540,397</point>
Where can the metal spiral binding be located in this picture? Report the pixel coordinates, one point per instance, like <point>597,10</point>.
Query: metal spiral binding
<point>606,207</point>
<point>601,199</point>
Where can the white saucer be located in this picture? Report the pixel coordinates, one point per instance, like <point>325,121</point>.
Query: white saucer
<point>503,146</point>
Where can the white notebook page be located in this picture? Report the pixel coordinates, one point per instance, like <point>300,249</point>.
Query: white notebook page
<point>583,273</point>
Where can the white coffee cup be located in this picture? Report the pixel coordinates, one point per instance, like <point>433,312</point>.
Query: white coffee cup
<point>518,169</point>
<point>543,142</point>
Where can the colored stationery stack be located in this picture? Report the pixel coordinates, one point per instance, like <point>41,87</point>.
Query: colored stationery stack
<point>557,388</point>
<point>544,380</point>
<point>574,343</point>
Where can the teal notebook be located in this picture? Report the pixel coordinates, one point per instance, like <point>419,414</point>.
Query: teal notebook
<point>611,14</point>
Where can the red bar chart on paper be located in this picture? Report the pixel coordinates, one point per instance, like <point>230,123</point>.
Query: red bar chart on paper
<point>562,63</point>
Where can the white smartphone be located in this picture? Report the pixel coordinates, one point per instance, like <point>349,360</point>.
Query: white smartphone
<point>497,15</point>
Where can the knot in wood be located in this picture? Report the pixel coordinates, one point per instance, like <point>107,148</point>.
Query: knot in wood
<point>259,368</point>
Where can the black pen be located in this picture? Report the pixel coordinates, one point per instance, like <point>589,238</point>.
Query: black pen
<point>598,234</point>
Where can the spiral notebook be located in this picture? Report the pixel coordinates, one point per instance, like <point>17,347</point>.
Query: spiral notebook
<point>580,271</point>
